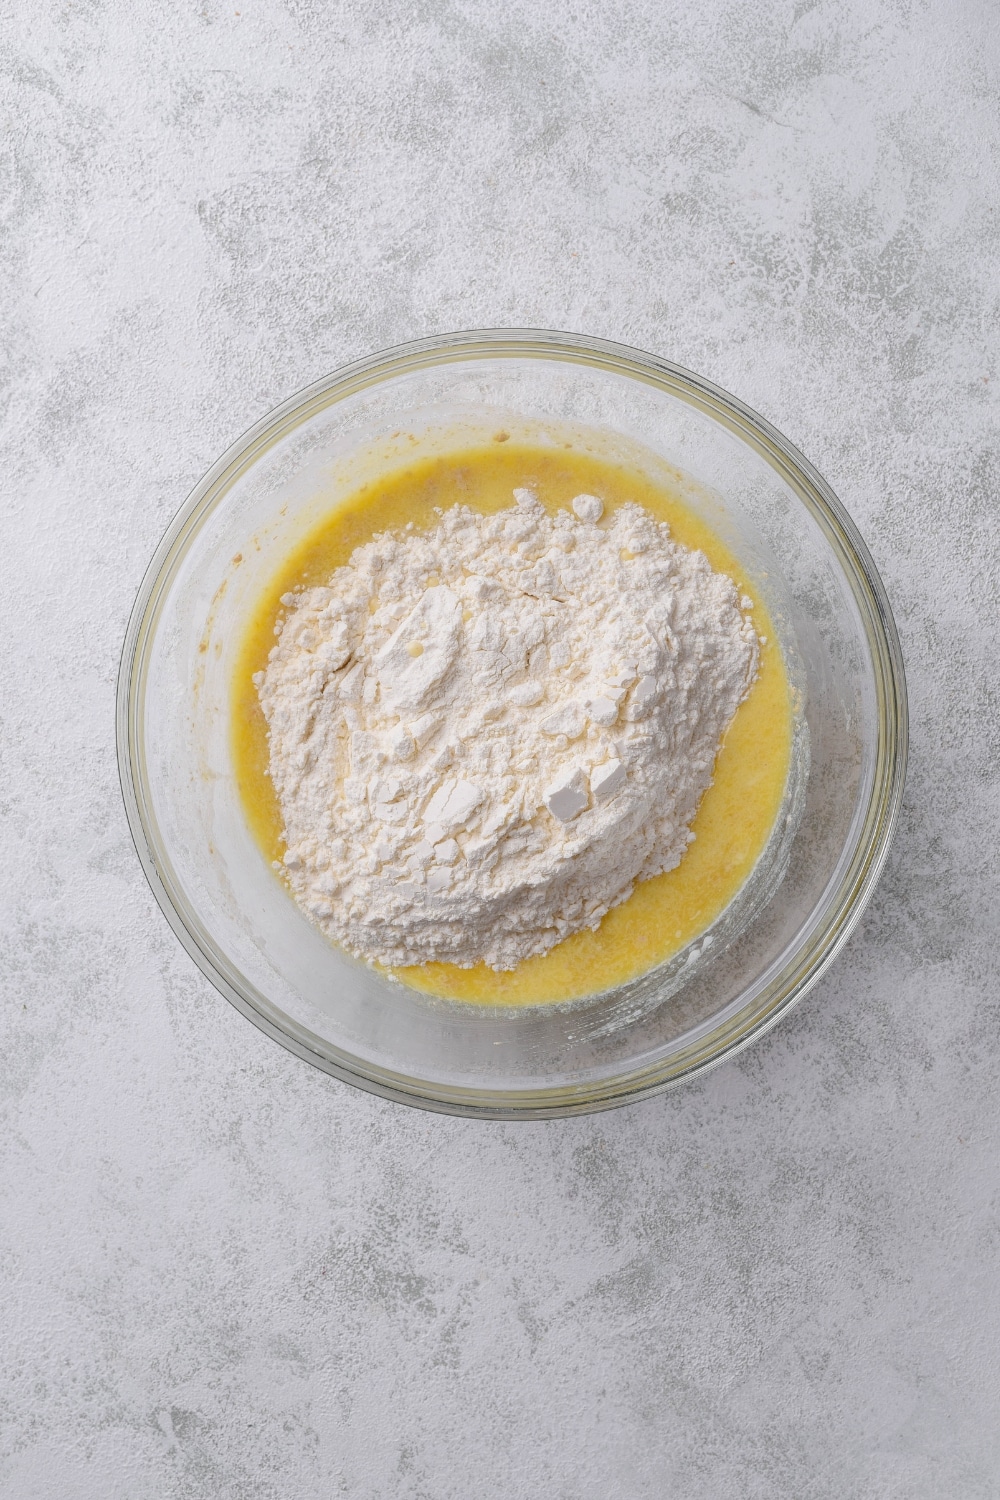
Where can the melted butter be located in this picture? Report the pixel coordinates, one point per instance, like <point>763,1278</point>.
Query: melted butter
<point>737,812</point>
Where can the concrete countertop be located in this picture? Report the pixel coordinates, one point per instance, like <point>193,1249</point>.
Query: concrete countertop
<point>226,1275</point>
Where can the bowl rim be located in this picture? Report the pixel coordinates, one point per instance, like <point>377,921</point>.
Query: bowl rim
<point>874,830</point>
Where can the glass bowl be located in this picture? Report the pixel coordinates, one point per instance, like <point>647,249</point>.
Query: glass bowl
<point>235,918</point>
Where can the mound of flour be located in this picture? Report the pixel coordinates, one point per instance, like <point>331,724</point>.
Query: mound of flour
<point>483,735</point>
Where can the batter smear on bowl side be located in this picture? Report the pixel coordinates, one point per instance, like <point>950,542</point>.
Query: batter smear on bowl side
<point>484,735</point>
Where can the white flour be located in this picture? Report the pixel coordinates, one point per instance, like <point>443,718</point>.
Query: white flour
<point>482,736</point>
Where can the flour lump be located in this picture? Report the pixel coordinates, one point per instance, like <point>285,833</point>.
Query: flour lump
<point>483,735</point>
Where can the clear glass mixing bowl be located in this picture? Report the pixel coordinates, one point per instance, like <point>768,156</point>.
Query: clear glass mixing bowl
<point>235,918</point>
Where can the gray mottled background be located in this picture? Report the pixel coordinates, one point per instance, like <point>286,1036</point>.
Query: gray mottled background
<point>225,1275</point>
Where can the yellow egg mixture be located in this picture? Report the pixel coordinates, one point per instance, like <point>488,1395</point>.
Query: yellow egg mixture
<point>737,812</point>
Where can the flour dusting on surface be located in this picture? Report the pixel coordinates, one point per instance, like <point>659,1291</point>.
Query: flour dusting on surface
<point>482,736</point>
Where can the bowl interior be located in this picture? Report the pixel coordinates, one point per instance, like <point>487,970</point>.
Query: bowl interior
<point>217,887</point>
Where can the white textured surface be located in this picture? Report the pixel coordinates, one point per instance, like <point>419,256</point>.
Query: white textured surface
<point>524,605</point>
<point>228,1276</point>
